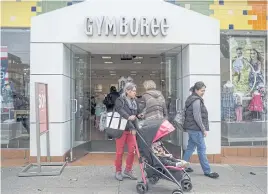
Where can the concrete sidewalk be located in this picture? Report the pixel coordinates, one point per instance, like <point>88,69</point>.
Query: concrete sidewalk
<point>99,179</point>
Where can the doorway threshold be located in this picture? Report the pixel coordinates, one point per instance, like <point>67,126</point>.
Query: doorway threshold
<point>98,159</point>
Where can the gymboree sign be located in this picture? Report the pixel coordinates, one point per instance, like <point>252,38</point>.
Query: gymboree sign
<point>124,26</point>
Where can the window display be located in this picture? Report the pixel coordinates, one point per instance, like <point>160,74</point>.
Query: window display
<point>243,90</point>
<point>244,97</point>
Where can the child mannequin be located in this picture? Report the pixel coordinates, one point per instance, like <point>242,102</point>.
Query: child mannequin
<point>167,159</point>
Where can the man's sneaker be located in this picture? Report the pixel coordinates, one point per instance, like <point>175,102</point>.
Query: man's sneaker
<point>129,174</point>
<point>213,175</point>
<point>118,176</point>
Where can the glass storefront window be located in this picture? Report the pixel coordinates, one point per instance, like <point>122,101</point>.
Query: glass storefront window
<point>15,83</point>
<point>244,90</point>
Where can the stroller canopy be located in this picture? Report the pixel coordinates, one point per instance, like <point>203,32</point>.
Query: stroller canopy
<point>154,130</point>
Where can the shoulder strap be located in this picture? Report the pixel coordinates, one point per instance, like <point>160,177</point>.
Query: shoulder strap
<point>186,107</point>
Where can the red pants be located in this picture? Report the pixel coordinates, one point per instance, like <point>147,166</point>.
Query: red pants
<point>126,138</point>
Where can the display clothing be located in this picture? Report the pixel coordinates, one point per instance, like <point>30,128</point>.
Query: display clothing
<point>129,79</point>
<point>100,108</point>
<point>122,82</point>
<point>256,103</point>
<point>239,113</point>
<point>228,102</point>
<point>238,107</point>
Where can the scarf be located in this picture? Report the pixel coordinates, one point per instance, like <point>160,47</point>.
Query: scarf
<point>131,103</point>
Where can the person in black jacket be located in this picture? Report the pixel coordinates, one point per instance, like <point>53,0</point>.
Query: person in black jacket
<point>110,99</point>
<point>196,124</point>
<point>127,107</point>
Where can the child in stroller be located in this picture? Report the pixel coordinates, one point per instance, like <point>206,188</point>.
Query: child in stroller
<point>166,158</point>
<point>155,160</point>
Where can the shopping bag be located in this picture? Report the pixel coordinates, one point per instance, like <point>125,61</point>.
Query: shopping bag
<point>115,124</point>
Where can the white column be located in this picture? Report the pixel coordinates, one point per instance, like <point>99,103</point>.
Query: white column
<point>50,63</point>
<point>202,63</point>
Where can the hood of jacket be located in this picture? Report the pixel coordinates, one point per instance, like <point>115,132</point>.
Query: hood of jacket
<point>154,93</point>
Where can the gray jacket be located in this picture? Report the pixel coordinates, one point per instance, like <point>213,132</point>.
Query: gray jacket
<point>155,105</point>
<point>121,106</point>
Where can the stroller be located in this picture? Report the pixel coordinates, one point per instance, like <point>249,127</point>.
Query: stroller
<point>151,164</point>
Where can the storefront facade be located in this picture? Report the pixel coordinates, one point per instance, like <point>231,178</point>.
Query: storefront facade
<point>235,36</point>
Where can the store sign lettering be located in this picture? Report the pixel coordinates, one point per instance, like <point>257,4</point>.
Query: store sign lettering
<point>134,26</point>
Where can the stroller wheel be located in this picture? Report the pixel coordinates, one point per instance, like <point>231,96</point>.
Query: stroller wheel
<point>154,179</point>
<point>141,188</point>
<point>177,192</point>
<point>186,185</point>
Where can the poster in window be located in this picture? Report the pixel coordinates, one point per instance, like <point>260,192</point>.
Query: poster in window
<point>247,58</point>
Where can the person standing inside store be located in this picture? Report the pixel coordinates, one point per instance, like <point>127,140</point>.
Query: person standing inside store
<point>196,125</point>
<point>127,107</point>
<point>109,101</point>
<point>155,105</point>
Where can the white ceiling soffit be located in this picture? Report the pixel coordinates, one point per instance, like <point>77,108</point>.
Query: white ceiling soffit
<point>146,49</point>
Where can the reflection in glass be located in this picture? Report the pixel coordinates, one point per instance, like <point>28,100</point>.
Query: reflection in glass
<point>15,80</point>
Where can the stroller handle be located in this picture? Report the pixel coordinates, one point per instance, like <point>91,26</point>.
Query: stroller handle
<point>136,124</point>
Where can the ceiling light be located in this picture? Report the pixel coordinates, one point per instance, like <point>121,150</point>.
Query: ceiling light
<point>137,62</point>
<point>112,71</point>
<point>108,62</point>
<point>138,58</point>
<point>112,74</point>
<point>152,74</point>
<point>106,57</point>
<point>154,71</point>
<point>133,72</point>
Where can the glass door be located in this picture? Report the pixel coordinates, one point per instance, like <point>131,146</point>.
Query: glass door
<point>171,90</point>
<point>80,82</point>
